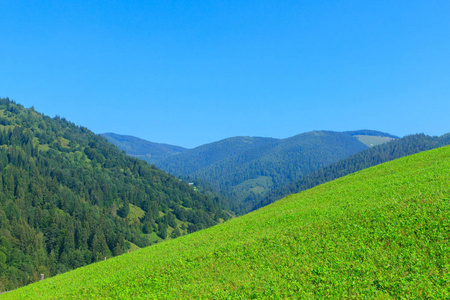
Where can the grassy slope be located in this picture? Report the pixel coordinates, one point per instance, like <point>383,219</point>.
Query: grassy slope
<point>371,141</point>
<point>380,233</point>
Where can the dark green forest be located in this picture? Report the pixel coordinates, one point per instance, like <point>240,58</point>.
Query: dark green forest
<point>69,198</point>
<point>370,133</point>
<point>379,154</point>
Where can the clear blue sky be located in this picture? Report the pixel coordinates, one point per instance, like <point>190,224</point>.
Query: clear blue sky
<point>193,72</point>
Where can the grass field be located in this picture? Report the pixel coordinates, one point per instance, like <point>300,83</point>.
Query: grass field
<point>382,233</point>
<point>136,213</point>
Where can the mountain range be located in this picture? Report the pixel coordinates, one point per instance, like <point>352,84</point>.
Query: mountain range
<point>248,168</point>
<point>148,151</point>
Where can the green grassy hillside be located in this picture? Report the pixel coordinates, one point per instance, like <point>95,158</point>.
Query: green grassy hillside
<point>381,233</point>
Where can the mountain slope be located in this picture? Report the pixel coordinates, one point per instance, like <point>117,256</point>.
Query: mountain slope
<point>70,198</point>
<point>380,233</point>
<point>142,149</point>
<point>197,159</point>
<point>382,153</point>
<point>246,168</point>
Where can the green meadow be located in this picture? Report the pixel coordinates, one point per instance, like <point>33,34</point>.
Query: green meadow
<point>381,233</point>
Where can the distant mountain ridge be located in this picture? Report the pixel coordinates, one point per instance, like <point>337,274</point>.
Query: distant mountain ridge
<point>245,168</point>
<point>371,132</point>
<point>141,148</point>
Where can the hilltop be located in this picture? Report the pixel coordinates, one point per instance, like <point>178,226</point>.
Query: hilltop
<point>142,149</point>
<point>69,198</point>
<point>379,233</point>
<point>369,132</point>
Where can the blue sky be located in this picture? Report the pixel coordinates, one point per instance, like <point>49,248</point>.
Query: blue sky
<point>193,72</point>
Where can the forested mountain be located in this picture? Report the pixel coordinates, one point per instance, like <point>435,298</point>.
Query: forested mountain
<point>246,168</point>
<point>194,160</point>
<point>69,198</point>
<point>142,149</point>
<point>382,153</point>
